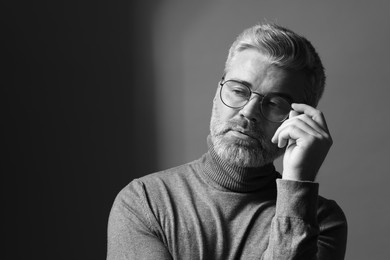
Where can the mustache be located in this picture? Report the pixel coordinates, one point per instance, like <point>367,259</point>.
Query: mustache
<point>243,126</point>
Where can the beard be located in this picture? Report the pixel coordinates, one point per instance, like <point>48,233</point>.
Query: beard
<point>256,151</point>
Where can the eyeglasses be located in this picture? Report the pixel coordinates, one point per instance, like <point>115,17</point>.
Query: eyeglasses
<point>236,94</point>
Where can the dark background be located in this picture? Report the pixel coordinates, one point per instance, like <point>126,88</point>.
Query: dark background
<point>79,121</point>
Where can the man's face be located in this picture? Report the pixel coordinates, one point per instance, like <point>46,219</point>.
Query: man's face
<point>243,136</point>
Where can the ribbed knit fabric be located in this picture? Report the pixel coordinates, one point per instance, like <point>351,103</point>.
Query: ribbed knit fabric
<point>234,178</point>
<point>208,209</point>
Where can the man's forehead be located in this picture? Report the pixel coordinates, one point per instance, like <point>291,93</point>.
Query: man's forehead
<point>250,59</point>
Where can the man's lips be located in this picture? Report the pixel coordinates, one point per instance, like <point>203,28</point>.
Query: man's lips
<point>243,134</point>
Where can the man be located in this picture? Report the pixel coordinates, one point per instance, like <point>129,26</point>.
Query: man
<point>231,203</point>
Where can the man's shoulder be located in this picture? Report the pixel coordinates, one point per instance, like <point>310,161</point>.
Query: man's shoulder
<point>178,172</point>
<point>169,179</point>
<point>153,193</point>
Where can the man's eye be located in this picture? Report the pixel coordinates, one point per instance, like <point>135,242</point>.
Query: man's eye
<point>240,91</point>
<point>277,103</point>
<point>273,103</point>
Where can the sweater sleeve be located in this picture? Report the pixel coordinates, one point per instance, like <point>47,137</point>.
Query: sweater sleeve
<point>132,234</point>
<point>299,230</point>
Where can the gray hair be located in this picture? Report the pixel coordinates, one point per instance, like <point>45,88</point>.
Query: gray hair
<point>287,50</point>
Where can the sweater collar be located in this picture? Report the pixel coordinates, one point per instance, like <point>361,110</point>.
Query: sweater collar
<point>235,178</point>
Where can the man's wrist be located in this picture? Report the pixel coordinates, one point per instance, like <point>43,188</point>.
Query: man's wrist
<point>298,175</point>
<point>297,199</point>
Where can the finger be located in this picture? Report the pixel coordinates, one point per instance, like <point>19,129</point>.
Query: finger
<point>300,119</point>
<point>312,123</point>
<point>302,124</point>
<point>293,113</point>
<point>292,125</point>
<point>290,133</point>
<point>315,114</point>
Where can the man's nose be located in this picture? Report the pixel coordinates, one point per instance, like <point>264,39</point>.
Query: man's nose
<point>252,109</point>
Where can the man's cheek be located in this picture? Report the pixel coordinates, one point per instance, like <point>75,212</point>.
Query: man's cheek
<point>270,131</point>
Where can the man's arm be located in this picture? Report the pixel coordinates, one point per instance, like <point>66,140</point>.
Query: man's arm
<point>131,233</point>
<point>305,227</point>
<point>295,231</point>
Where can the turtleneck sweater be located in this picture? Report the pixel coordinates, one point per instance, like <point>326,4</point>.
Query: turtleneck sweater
<point>209,209</point>
<point>235,178</point>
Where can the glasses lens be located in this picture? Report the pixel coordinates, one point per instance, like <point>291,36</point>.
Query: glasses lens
<point>275,108</point>
<point>235,94</point>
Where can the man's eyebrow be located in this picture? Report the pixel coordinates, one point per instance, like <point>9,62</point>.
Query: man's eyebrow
<point>280,94</point>
<point>246,83</point>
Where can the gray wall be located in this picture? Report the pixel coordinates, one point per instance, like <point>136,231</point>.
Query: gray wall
<point>100,92</point>
<point>352,37</point>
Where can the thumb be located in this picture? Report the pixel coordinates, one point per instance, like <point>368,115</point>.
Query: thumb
<point>293,113</point>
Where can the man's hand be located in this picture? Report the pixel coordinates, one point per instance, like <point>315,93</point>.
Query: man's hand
<point>308,141</point>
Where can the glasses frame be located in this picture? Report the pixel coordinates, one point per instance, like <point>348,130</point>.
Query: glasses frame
<point>288,99</point>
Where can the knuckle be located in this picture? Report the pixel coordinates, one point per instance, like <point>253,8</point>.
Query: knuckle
<point>318,114</point>
<point>293,128</point>
<point>326,139</point>
<point>304,116</point>
<point>311,139</point>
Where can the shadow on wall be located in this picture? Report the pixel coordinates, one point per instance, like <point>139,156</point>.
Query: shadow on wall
<point>81,121</point>
<point>179,80</point>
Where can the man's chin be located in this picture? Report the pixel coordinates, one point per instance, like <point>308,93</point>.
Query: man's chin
<point>238,151</point>
<point>244,152</point>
